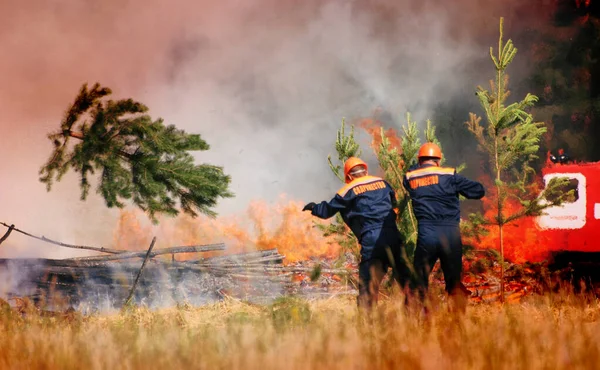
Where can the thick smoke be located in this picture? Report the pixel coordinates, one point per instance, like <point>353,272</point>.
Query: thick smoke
<point>265,82</point>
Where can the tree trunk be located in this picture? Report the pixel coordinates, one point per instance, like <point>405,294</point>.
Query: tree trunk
<point>76,135</point>
<point>80,136</point>
<point>500,221</point>
<point>501,263</point>
<point>405,193</point>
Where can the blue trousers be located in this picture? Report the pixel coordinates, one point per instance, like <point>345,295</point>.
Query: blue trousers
<point>441,242</point>
<point>380,248</point>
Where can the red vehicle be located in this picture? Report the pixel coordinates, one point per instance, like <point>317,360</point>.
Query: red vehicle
<point>572,231</point>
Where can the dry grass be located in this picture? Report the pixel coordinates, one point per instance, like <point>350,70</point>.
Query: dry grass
<point>552,332</point>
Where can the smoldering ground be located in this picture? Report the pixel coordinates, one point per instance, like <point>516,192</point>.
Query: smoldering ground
<point>265,82</point>
<point>102,286</point>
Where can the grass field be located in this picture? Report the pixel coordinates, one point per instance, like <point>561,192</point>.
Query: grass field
<point>551,332</point>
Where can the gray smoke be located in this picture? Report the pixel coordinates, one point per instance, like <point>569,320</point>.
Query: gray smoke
<point>265,82</point>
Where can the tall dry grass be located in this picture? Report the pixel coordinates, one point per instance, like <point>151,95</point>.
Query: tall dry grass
<point>551,332</point>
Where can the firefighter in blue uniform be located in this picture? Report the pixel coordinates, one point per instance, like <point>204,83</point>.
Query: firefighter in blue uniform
<point>366,204</point>
<point>434,191</point>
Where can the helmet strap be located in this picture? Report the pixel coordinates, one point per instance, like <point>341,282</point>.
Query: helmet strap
<point>352,174</point>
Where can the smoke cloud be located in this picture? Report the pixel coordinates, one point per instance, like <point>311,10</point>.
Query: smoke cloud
<point>265,82</point>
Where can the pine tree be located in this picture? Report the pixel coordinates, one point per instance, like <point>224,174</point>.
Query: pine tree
<point>346,147</point>
<point>139,159</point>
<point>394,162</point>
<point>511,142</point>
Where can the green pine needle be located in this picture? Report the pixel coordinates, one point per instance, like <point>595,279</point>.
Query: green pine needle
<point>133,158</point>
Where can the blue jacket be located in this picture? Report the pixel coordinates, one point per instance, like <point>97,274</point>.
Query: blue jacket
<point>434,192</point>
<point>365,203</point>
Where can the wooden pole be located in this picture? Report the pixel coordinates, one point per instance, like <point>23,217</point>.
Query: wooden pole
<point>120,256</point>
<point>128,301</point>
<point>44,239</point>
<point>5,236</point>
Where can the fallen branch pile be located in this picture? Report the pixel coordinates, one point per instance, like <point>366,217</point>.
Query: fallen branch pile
<point>120,277</point>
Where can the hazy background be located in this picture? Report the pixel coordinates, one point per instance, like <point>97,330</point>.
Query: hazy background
<point>266,83</point>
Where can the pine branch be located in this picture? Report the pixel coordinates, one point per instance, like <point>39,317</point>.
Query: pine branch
<point>410,143</point>
<point>139,159</point>
<point>346,147</point>
<point>391,162</point>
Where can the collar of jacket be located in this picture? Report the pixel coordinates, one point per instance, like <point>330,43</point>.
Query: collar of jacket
<point>429,169</point>
<point>359,181</point>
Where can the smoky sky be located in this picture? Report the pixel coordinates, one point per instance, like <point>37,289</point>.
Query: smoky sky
<point>265,82</point>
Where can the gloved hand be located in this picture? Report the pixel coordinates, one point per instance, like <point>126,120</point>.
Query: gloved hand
<point>309,206</point>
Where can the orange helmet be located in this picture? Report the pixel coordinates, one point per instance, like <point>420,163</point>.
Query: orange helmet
<point>350,164</point>
<point>430,150</point>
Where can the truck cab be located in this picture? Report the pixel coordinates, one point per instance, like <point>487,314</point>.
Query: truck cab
<point>572,230</point>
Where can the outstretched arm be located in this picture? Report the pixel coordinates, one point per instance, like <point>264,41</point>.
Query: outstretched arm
<point>326,209</point>
<point>468,188</point>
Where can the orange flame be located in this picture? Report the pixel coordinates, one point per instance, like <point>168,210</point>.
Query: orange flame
<point>291,231</point>
<point>265,226</point>
<point>130,234</point>
<point>522,238</point>
<point>373,128</point>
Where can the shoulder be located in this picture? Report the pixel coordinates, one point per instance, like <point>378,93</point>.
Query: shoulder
<point>431,170</point>
<point>357,182</point>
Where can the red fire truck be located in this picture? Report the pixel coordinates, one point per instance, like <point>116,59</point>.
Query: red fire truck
<point>572,231</point>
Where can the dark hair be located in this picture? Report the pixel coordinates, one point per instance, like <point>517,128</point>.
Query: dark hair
<point>425,159</point>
